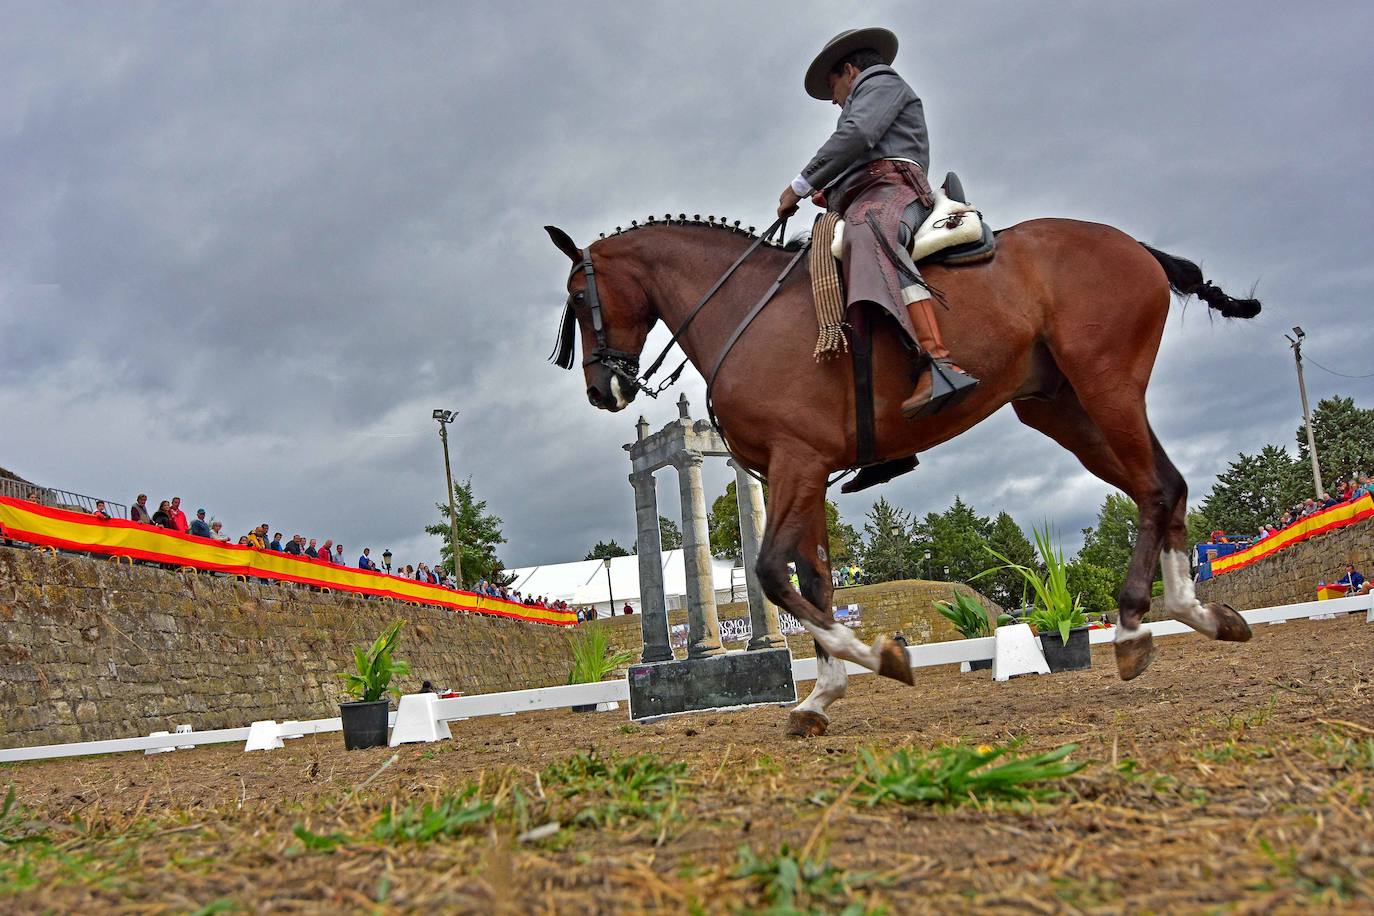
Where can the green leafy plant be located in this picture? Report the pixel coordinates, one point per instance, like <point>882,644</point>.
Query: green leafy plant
<point>617,790</point>
<point>967,614</point>
<point>794,884</point>
<point>376,668</point>
<point>1055,606</point>
<point>450,815</point>
<point>954,774</point>
<point>593,657</point>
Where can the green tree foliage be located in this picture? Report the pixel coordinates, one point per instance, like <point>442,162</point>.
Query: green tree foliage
<point>723,523</point>
<point>1345,441</point>
<point>669,535</point>
<point>845,543</point>
<point>1200,527</point>
<point>479,533</point>
<point>1095,587</point>
<point>1108,545</point>
<point>1256,489</point>
<point>955,539</point>
<point>1007,538</point>
<point>605,549</point>
<point>890,550</point>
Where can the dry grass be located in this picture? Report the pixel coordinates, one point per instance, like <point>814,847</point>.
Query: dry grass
<point>1228,778</point>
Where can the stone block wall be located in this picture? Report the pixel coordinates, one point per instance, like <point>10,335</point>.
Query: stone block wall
<point>1291,575</point>
<point>90,649</point>
<point>906,606</point>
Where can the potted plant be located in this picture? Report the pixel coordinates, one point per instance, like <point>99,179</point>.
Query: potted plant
<point>1056,612</point>
<point>970,619</point>
<point>365,719</point>
<point>593,659</point>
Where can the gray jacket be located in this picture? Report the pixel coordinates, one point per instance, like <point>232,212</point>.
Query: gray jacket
<point>882,119</point>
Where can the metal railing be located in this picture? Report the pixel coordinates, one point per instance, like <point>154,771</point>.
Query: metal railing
<point>58,499</point>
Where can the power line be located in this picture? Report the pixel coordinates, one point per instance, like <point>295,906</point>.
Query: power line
<point>1334,372</point>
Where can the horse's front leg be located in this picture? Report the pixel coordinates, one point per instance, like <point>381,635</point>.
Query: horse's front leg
<point>812,562</point>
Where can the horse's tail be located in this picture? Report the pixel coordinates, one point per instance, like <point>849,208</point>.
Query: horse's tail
<point>1185,279</point>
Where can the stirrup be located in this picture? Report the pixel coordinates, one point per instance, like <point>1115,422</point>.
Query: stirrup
<point>948,386</point>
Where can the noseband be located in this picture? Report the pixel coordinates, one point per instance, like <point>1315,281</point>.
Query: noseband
<point>623,365</point>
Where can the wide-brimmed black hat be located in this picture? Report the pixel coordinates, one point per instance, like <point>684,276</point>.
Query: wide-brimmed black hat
<point>840,47</point>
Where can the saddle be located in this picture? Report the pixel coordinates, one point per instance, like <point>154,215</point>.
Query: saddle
<point>952,233</point>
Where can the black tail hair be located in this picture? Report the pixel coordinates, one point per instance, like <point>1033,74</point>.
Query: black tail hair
<point>1185,279</point>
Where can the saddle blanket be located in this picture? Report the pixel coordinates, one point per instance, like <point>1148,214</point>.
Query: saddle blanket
<point>950,223</point>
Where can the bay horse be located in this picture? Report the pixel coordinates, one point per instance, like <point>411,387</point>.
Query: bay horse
<point>1064,324</point>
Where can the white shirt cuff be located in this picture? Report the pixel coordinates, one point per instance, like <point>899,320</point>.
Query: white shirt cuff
<point>802,187</point>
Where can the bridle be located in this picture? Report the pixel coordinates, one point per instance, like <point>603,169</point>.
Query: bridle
<point>624,365</point>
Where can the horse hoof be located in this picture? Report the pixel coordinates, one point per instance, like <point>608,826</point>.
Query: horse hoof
<point>803,723</point>
<point>1134,655</point>
<point>1231,627</point>
<point>893,662</point>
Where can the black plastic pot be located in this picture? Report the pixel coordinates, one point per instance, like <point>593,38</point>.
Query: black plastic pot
<point>1075,655</point>
<point>982,664</point>
<point>364,724</point>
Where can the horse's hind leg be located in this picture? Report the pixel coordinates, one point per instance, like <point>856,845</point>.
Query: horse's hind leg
<point>810,719</point>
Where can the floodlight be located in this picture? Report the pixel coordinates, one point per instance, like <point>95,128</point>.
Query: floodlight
<point>1298,331</point>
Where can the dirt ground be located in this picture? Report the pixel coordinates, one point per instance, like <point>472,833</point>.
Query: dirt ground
<point>1228,778</point>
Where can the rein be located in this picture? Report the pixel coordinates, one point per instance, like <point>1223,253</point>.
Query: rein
<point>625,366</point>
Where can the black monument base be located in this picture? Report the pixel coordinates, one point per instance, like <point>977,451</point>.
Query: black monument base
<point>719,682</point>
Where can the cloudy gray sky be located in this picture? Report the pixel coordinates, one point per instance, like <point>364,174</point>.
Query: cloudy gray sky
<point>245,248</point>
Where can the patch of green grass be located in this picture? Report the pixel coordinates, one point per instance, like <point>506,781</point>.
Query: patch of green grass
<point>450,815</point>
<point>318,842</point>
<point>611,791</point>
<point>957,773</point>
<point>627,729</point>
<point>790,884</point>
<point>1129,769</point>
<point>16,827</point>
<point>1320,887</point>
<point>1342,752</point>
<point>1232,751</point>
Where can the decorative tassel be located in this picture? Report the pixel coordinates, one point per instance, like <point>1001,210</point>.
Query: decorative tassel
<point>825,287</point>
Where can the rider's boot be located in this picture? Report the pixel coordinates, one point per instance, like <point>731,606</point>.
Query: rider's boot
<point>944,384</point>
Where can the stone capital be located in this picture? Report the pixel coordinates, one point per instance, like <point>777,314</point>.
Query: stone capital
<point>642,478</point>
<point>685,459</point>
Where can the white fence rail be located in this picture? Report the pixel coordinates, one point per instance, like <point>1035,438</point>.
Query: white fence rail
<point>424,717</point>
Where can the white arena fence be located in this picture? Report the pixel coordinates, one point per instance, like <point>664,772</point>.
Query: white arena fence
<point>425,717</point>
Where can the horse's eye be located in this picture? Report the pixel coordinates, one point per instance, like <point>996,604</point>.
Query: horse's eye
<point>579,297</point>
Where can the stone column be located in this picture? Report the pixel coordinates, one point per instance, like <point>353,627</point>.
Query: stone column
<point>653,616</point>
<point>763,614</point>
<point>703,627</point>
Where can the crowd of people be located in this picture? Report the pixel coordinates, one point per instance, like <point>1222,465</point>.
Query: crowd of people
<point>1347,489</point>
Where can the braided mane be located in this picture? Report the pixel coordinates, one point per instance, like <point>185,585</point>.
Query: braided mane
<point>682,220</point>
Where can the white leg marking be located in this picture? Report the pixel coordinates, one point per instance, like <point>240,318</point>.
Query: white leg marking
<point>831,684</point>
<point>841,643</point>
<point>1125,635</point>
<point>1180,601</point>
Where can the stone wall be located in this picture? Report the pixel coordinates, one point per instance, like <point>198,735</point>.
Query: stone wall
<point>906,606</point>
<point>90,649</point>
<point>1291,575</point>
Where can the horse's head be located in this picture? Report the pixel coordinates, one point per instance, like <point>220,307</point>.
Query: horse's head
<point>606,300</point>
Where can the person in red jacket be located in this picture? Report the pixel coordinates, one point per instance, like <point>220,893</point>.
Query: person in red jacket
<point>178,517</point>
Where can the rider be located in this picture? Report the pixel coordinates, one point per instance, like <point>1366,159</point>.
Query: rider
<point>872,171</point>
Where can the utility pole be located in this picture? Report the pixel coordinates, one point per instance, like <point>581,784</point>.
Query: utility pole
<point>445,417</point>
<point>1306,414</point>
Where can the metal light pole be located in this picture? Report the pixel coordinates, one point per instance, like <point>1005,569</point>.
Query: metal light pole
<point>1306,414</point>
<point>445,417</point>
<point>610,595</point>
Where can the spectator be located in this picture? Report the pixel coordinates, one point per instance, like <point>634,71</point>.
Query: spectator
<point>177,516</point>
<point>100,512</point>
<point>276,542</point>
<point>217,531</point>
<point>1351,580</point>
<point>139,510</point>
<point>326,552</point>
<point>311,552</point>
<point>253,539</point>
<point>293,546</point>
<point>163,516</point>
<point>243,540</point>
<point>627,610</point>
<point>365,561</point>
<point>339,554</point>
<point>199,527</point>
<point>1328,501</point>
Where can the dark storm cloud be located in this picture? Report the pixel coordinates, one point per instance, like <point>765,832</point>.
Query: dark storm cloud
<point>245,250</point>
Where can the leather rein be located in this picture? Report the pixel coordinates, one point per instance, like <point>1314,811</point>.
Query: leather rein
<point>625,366</point>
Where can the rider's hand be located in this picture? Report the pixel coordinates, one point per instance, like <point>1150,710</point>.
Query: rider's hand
<point>819,199</point>
<point>787,203</point>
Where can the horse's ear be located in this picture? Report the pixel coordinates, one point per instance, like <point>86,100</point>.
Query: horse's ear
<point>564,243</point>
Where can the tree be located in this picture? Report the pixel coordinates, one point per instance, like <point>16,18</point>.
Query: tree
<point>605,549</point>
<point>1255,490</point>
<point>890,552</point>
<point>845,545</point>
<point>1345,441</point>
<point>479,533</point>
<point>1007,538</point>
<point>669,535</point>
<point>1200,527</point>
<point>724,525</point>
<point>955,539</point>
<point>1109,544</point>
<point>1096,587</point>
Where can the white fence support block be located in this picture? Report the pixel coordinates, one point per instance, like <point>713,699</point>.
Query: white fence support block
<point>263,736</point>
<point>1016,651</point>
<point>158,750</point>
<point>418,721</point>
<point>184,730</point>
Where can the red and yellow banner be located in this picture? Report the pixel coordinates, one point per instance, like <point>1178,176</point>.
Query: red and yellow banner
<point>45,526</point>
<point>1317,523</point>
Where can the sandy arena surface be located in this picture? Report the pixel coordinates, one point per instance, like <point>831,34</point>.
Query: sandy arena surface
<point>1228,778</point>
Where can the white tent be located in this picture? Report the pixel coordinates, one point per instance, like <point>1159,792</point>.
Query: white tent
<point>584,582</point>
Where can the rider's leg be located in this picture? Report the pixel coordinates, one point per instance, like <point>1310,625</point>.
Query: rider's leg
<point>944,384</point>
